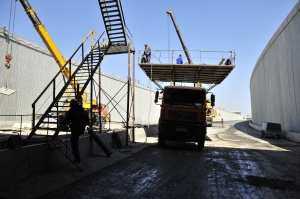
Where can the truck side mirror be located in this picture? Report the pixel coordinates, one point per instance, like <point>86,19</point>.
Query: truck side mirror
<point>212,100</point>
<point>156,97</point>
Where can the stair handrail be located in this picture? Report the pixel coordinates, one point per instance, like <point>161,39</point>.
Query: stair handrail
<point>122,16</point>
<point>52,82</point>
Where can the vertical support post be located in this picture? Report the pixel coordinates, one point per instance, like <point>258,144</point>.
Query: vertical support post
<point>109,121</point>
<point>133,99</point>
<point>21,127</point>
<point>128,94</point>
<point>33,116</point>
<point>70,70</point>
<point>91,100</point>
<point>82,52</point>
<point>53,89</point>
<point>172,56</point>
<point>99,103</point>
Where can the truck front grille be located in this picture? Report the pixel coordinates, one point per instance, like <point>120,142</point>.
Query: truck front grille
<point>183,115</point>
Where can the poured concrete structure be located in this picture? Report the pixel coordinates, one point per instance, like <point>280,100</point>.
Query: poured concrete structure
<point>275,80</point>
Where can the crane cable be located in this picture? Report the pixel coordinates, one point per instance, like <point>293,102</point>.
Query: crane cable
<point>8,56</point>
<point>168,22</point>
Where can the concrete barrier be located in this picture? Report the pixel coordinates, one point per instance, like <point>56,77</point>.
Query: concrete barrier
<point>20,163</point>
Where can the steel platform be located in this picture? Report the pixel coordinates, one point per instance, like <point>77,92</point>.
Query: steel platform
<point>188,73</point>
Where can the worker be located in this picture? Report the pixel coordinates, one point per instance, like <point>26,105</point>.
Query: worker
<point>78,119</point>
<point>147,53</point>
<point>179,60</point>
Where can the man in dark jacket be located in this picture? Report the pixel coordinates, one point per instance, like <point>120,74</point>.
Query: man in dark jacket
<point>147,53</point>
<point>78,119</point>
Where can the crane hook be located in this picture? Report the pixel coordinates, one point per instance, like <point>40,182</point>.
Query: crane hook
<point>8,58</point>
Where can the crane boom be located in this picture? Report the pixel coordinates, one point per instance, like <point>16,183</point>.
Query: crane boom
<point>187,54</point>
<point>40,28</point>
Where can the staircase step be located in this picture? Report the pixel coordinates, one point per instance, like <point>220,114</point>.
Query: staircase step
<point>111,5</point>
<point>112,20</point>
<point>110,16</point>
<point>107,1</point>
<point>116,38</point>
<point>114,29</point>
<point>54,122</point>
<point>117,33</point>
<point>109,11</point>
<point>45,128</point>
<point>112,25</point>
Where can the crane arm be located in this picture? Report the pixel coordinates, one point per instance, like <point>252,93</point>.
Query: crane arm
<point>47,40</point>
<point>187,54</point>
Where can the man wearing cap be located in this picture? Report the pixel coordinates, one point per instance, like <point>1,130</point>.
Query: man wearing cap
<point>147,53</point>
<point>179,60</point>
<point>78,119</point>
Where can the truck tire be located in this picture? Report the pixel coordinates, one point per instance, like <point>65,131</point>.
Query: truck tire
<point>201,144</point>
<point>161,141</point>
<point>262,134</point>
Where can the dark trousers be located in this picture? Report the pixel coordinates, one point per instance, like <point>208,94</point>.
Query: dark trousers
<point>74,144</point>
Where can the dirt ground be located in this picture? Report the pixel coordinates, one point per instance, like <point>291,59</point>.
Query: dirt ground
<point>235,163</point>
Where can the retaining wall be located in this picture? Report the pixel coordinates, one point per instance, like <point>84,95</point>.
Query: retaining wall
<point>275,78</point>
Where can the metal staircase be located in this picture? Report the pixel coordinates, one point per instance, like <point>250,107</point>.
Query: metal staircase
<point>115,27</point>
<point>113,20</point>
<point>63,147</point>
<point>81,76</point>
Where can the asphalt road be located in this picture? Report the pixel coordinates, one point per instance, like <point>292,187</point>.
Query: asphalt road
<point>235,163</point>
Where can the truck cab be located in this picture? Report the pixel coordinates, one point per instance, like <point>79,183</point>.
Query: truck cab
<point>182,115</point>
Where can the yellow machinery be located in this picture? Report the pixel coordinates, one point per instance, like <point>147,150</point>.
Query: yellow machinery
<point>54,51</point>
<point>211,113</point>
<point>209,116</point>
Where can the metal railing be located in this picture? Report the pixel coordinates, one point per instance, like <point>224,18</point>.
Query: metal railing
<point>198,57</point>
<point>15,123</point>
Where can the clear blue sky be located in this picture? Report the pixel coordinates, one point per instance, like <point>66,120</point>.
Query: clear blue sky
<point>243,25</point>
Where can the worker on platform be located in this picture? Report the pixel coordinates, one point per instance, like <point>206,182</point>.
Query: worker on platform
<point>179,60</point>
<point>147,53</point>
<point>78,119</point>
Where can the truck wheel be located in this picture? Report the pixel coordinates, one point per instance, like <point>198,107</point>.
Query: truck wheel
<point>161,141</point>
<point>261,134</point>
<point>201,144</point>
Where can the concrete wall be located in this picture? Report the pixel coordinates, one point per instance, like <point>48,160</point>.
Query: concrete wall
<point>32,68</point>
<point>229,116</point>
<point>20,163</point>
<point>275,79</point>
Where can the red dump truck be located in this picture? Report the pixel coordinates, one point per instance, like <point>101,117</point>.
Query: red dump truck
<point>182,114</point>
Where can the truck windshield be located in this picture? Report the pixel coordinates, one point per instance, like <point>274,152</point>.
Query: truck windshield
<point>185,97</point>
